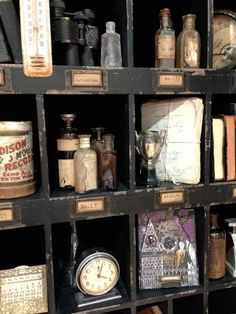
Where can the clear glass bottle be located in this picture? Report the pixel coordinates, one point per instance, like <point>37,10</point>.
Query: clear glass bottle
<point>217,249</point>
<point>165,42</point>
<point>188,44</point>
<point>111,47</point>
<point>97,141</point>
<point>107,160</point>
<point>67,144</point>
<point>85,166</point>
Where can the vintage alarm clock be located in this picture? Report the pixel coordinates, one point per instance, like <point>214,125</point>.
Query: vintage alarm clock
<point>224,39</point>
<point>97,272</point>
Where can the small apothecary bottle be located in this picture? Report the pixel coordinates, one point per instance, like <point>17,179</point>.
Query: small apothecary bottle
<point>107,163</point>
<point>188,44</point>
<point>217,249</point>
<point>67,144</point>
<point>97,141</point>
<point>165,42</point>
<point>85,165</point>
<point>111,47</point>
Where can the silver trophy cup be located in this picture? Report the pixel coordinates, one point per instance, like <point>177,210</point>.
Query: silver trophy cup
<point>149,145</point>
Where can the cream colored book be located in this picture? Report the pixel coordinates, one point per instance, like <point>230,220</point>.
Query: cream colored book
<point>179,159</point>
<point>218,139</point>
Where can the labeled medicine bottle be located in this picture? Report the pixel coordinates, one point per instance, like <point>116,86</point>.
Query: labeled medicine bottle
<point>111,47</point>
<point>107,163</point>
<point>67,144</point>
<point>217,249</point>
<point>165,42</point>
<point>188,44</point>
<point>85,166</point>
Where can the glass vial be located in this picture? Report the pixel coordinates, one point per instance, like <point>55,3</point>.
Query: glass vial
<point>107,160</point>
<point>111,47</point>
<point>217,249</point>
<point>67,144</point>
<point>165,42</point>
<point>188,44</point>
<point>98,141</point>
<point>85,164</point>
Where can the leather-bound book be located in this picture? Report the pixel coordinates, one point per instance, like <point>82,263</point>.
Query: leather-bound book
<point>229,121</point>
<point>154,309</point>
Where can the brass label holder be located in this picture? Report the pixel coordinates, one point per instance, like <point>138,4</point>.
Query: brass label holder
<point>2,79</point>
<point>168,81</point>
<point>5,79</point>
<point>87,80</point>
<point>170,197</point>
<point>6,212</point>
<point>234,192</point>
<point>90,205</point>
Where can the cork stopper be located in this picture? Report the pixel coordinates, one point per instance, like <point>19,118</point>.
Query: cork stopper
<point>165,12</point>
<point>110,26</point>
<point>214,220</point>
<point>84,140</point>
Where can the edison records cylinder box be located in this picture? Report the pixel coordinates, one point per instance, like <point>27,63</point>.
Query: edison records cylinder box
<point>16,159</point>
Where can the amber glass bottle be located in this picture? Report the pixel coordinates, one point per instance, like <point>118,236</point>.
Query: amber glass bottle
<point>165,42</point>
<point>188,44</point>
<point>107,179</point>
<point>217,249</point>
<point>97,142</point>
<point>67,144</point>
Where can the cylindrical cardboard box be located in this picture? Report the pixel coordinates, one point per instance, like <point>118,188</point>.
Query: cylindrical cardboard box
<point>16,159</point>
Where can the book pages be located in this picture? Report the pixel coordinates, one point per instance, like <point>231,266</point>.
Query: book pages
<point>218,134</point>
<point>179,160</point>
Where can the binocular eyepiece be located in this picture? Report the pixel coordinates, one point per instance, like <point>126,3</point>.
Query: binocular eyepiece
<point>74,35</point>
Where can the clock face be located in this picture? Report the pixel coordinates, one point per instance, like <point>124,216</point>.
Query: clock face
<point>97,274</point>
<point>224,39</point>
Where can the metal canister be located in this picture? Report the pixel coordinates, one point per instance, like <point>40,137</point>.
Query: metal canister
<point>16,159</point>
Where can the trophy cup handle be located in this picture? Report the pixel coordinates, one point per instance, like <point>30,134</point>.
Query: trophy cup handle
<point>163,135</point>
<point>136,139</point>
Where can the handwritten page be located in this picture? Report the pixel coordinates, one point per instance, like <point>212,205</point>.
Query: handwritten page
<point>179,159</point>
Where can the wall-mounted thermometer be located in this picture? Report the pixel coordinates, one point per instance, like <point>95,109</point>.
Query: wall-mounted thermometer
<point>36,37</point>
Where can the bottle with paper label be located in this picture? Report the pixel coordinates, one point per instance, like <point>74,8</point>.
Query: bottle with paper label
<point>67,144</point>
<point>165,42</point>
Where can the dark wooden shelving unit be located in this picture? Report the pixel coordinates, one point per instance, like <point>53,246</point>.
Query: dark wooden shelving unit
<point>45,216</point>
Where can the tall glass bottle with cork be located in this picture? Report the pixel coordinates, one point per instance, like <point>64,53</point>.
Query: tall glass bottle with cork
<point>97,141</point>
<point>188,44</point>
<point>67,144</point>
<point>165,42</point>
<point>217,249</point>
<point>85,166</point>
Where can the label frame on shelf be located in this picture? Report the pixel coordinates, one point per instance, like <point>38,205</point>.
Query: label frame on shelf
<point>90,205</point>
<point>171,197</point>
<point>168,81</point>
<point>9,215</point>
<point>86,80</point>
<point>5,79</point>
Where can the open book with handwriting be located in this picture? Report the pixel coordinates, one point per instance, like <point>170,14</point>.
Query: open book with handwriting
<point>181,117</point>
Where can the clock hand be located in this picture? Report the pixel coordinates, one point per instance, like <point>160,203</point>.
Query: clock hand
<point>100,270</point>
<point>104,277</point>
